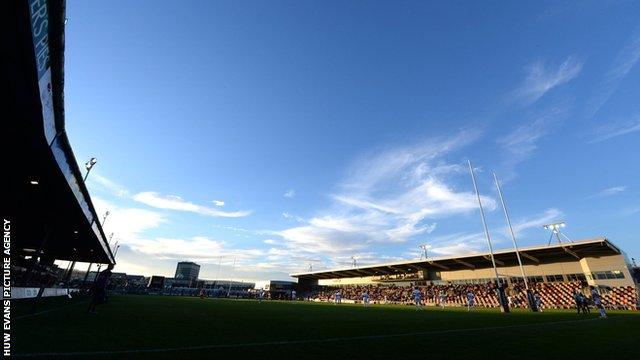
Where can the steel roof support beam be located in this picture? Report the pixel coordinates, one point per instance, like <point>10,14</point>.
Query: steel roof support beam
<point>496,260</point>
<point>443,267</point>
<point>532,258</point>
<point>383,271</point>
<point>471,266</point>
<point>571,253</point>
<point>368,272</point>
<point>397,269</point>
<point>357,273</point>
<point>415,267</point>
<point>612,247</point>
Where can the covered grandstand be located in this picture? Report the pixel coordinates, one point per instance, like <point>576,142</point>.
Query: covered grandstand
<point>48,205</point>
<point>554,272</point>
<point>597,261</point>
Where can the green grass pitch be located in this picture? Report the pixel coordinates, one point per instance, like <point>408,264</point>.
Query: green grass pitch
<point>156,327</point>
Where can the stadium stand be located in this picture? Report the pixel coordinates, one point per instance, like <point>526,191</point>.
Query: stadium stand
<point>48,205</point>
<point>557,295</point>
<point>554,272</point>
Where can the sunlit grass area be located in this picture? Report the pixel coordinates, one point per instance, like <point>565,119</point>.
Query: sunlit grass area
<point>155,327</point>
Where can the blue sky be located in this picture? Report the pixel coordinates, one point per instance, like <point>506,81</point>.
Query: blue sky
<point>286,133</point>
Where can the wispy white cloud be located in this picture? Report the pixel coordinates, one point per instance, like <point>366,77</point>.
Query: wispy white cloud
<point>406,163</point>
<point>218,203</point>
<point>143,252</point>
<point>146,254</point>
<point>632,210</point>
<point>134,262</point>
<point>621,66</point>
<point>520,144</point>
<point>458,244</point>
<point>289,194</point>
<point>238,229</point>
<point>364,204</point>
<point>218,259</point>
<point>475,242</point>
<point>533,222</point>
<point>107,184</point>
<point>127,222</point>
<point>523,141</point>
<point>541,78</point>
<point>289,216</point>
<point>388,197</point>
<point>197,248</point>
<point>362,259</point>
<point>614,190</point>
<point>172,202</point>
<point>156,200</point>
<point>611,130</point>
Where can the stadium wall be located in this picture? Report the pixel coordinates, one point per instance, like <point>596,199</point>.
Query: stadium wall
<point>32,292</point>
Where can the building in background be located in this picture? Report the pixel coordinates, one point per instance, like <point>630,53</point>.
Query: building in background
<point>137,280</point>
<point>279,289</point>
<point>156,282</point>
<point>187,270</point>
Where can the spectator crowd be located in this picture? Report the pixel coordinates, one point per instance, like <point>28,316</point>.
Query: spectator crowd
<point>555,295</point>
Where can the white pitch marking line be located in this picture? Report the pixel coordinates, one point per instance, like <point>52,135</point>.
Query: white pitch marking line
<point>296,342</point>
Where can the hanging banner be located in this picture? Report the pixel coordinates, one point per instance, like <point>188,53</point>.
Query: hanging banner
<point>39,15</point>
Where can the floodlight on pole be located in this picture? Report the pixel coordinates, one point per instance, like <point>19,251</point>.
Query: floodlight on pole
<point>104,218</point>
<point>310,263</point>
<point>555,230</point>
<point>555,226</point>
<point>116,252</point>
<point>89,165</point>
<point>424,248</point>
<point>354,262</point>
